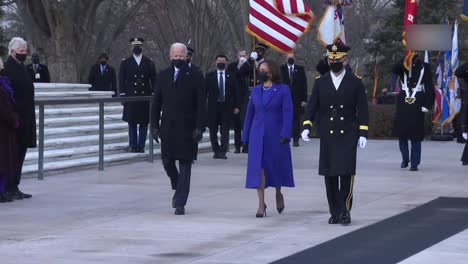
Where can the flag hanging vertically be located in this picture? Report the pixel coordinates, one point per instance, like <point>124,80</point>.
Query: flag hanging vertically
<point>376,82</point>
<point>411,7</point>
<point>455,101</point>
<point>331,25</point>
<point>438,89</point>
<point>279,23</point>
<point>445,111</point>
<point>464,15</point>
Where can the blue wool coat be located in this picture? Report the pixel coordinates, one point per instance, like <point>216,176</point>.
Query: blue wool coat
<point>267,121</point>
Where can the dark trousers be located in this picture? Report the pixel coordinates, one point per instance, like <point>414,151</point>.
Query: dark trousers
<point>415,151</point>
<point>2,182</point>
<point>237,122</point>
<point>180,179</point>
<point>13,181</point>
<point>296,127</point>
<point>465,154</point>
<point>339,193</point>
<point>137,136</point>
<point>221,122</point>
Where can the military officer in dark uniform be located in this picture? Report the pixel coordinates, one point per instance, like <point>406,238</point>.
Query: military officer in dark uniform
<point>137,77</point>
<point>462,73</point>
<point>340,99</point>
<point>188,60</point>
<point>416,97</point>
<point>294,75</point>
<point>38,72</point>
<point>102,76</point>
<point>178,113</point>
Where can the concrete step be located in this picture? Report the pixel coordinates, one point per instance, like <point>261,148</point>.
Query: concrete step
<point>86,130</point>
<point>89,140</point>
<point>75,95</point>
<point>80,120</point>
<point>79,111</point>
<point>61,87</point>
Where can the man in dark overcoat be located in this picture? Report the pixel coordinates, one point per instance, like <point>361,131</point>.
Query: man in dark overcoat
<point>102,76</point>
<point>416,98</point>
<point>294,75</point>
<point>137,77</point>
<point>462,73</point>
<point>39,72</point>
<point>23,89</point>
<point>339,98</point>
<point>223,103</point>
<point>178,112</point>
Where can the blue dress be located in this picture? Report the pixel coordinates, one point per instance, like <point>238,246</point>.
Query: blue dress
<point>268,119</point>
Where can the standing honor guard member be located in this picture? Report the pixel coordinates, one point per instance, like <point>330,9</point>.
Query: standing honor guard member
<point>180,96</point>
<point>223,104</point>
<point>188,59</point>
<point>339,98</point>
<point>137,77</point>
<point>462,73</point>
<point>415,98</point>
<point>294,76</point>
<point>102,76</point>
<point>39,72</point>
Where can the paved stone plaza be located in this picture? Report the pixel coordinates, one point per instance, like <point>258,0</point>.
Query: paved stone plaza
<point>124,214</point>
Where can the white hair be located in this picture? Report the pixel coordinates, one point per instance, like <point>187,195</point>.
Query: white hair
<point>15,43</point>
<point>178,46</point>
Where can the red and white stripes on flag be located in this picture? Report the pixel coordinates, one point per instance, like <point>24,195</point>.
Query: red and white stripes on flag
<point>279,23</point>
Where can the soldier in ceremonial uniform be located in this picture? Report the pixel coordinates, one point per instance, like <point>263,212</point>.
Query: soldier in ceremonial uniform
<point>462,73</point>
<point>415,98</point>
<point>137,77</point>
<point>340,100</point>
<point>188,60</point>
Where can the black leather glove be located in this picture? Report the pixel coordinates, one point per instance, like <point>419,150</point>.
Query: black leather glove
<point>155,134</point>
<point>197,135</point>
<point>284,140</point>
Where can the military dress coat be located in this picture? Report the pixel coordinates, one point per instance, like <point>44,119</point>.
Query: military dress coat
<point>409,118</point>
<point>268,119</point>
<point>137,80</point>
<point>178,109</point>
<point>23,88</point>
<point>343,116</point>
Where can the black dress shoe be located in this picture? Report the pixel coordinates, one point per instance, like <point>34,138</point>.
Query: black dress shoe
<point>216,155</point>
<point>245,149</point>
<point>140,150</point>
<point>179,211</point>
<point>414,168</point>
<point>296,143</point>
<point>345,218</point>
<point>132,149</point>
<point>334,219</point>
<point>404,164</point>
<point>465,163</point>
<point>15,195</point>
<point>5,198</point>
<point>222,156</point>
<point>25,195</point>
<point>237,151</point>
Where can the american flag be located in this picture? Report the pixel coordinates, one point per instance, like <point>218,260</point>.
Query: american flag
<point>279,23</point>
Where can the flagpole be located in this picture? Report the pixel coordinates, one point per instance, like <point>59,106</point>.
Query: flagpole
<point>254,42</point>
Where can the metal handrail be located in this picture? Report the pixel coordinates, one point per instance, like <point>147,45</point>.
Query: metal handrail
<point>41,103</point>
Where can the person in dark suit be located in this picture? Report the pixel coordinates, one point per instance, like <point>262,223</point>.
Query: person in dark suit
<point>178,113</point>
<point>102,76</point>
<point>23,89</point>
<point>462,73</point>
<point>340,99</point>
<point>233,69</point>
<point>137,77</point>
<point>295,77</point>
<point>223,103</point>
<point>414,100</point>
<point>39,72</point>
<point>188,59</point>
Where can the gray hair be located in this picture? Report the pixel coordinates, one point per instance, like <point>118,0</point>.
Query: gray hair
<point>1,64</point>
<point>178,45</point>
<point>15,43</point>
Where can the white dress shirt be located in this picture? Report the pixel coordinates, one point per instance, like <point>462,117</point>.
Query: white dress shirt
<point>337,79</point>
<point>137,58</point>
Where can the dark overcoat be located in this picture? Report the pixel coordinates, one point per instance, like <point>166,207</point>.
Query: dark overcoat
<point>8,121</point>
<point>102,81</point>
<point>23,89</point>
<point>137,80</point>
<point>344,117</point>
<point>178,109</point>
<point>41,75</point>
<point>298,85</point>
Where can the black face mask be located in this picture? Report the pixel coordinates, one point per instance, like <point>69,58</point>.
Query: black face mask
<point>103,63</point>
<point>20,57</point>
<point>137,50</point>
<point>336,67</point>
<point>263,77</point>
<point>221,65</point>
<point>179,63</point>
<point>290,61</point>
<point>35,60</point>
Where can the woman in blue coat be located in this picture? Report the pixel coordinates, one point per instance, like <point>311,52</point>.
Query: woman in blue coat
<point>267,130</point>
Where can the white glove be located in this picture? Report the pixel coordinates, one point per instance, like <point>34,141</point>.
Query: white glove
<point>362,142</point>
<point>424,109</point>
<point>303,104</point>
<point>254,55</point>
<point>465,136</point>
<point>242,60</point>
<point>305,135</point>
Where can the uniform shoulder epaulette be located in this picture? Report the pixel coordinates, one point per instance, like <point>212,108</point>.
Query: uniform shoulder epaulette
<point>318,77</point>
